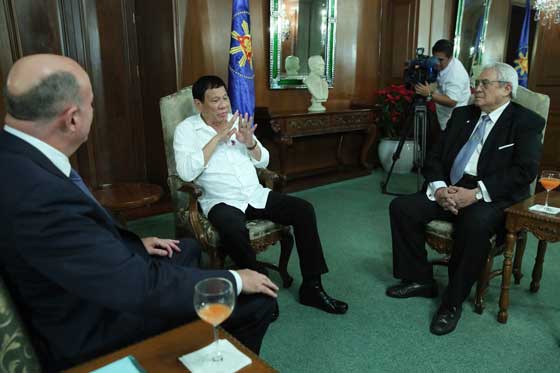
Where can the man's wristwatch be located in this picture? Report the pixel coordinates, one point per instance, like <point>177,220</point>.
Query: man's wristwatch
<point>478,194</point>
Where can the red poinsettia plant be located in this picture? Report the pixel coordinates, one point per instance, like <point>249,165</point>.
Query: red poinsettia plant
<point>395,102</point>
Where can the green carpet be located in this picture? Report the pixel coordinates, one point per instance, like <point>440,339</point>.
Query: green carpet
<point>381,334</point>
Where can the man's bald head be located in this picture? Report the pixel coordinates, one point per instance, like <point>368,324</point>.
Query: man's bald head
<point>41,86</point>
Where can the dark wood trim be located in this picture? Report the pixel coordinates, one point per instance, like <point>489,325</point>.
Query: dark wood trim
<point>15,41</point>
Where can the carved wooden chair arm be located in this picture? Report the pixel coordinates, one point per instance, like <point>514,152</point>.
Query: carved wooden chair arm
<point>271,179</point>
<point>194,192</point>
<point>188,187</point>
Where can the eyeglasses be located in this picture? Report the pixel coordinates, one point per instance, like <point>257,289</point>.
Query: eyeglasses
<point>485,82</point>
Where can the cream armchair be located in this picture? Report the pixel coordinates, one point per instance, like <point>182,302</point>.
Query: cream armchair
<point>189,221</point>
<point>17,353</point>
<point>439,233</point>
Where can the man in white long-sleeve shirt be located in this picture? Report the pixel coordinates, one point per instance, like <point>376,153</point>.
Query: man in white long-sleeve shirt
<point>219,152</point>
<point>453,83</point>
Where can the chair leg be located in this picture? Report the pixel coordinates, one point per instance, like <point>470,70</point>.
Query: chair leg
<point>482,285</point>
<point>518,261</point>
<point>443,261</point>
<point>286,246</point>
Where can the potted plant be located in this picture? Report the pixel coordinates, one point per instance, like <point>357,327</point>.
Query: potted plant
<point>395,101</point>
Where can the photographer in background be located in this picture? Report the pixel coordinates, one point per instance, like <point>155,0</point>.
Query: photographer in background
<point>453,83</point>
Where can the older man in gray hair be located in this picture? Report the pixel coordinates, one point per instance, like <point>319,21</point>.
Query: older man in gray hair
<point>485,161</point>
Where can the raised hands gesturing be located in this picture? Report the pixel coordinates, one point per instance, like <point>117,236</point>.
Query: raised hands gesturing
<point>245,131</point>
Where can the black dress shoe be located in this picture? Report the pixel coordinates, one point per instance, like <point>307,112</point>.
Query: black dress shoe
<point>275,313</point>
<point>315,296</point>
<point>445,320</point>
<point>413,289</point>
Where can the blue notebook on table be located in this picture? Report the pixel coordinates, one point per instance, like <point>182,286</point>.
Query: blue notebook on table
<point>125,365</point>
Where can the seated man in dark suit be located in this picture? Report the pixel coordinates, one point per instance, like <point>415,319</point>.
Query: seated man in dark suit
<point>85,285</point>
<point>485,161</point>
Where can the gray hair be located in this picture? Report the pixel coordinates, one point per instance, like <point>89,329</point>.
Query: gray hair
<point>46,100</point>
<point>505,73</point>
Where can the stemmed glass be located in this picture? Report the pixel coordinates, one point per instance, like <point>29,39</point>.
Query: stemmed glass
<point>549,180</point>
<point>214,300</point>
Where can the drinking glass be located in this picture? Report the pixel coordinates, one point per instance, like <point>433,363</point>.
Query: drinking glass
<point>549,180</point>
<point>214,300</point>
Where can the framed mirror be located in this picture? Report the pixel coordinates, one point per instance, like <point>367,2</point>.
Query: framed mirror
<point>470,32</point>
<point>300,29</point>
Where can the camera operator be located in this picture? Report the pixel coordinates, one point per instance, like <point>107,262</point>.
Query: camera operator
<point>453,83</point>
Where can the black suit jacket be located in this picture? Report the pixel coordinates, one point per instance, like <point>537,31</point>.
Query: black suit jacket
<point>78,279</point>
<point>506,171</point>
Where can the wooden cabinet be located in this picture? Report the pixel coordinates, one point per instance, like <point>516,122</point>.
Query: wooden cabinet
<point>311,149</point>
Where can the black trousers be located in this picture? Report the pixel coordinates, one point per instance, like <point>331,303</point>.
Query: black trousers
<point>473,228</point>
<point>282,209</point>
<point>248,322</point>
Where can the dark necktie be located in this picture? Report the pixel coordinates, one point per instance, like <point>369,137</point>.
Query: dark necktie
<point>466,152</point>
<point>76,179</point>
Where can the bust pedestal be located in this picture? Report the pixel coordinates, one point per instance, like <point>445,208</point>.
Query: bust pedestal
<point>316,105</point>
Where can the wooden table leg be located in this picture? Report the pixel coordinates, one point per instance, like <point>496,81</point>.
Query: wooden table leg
<point>370,139</point>
<point>506,277</point>
<point>518,260</point>
<point>537,269</point>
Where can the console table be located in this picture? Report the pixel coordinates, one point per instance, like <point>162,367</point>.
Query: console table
<point>311,149</point>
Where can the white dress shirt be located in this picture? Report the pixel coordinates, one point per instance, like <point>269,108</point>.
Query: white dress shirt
<point>229,176</point>
<point>454,82</point>
<point>472,164</point>
<point>58,158</point>
<point>61,161</point>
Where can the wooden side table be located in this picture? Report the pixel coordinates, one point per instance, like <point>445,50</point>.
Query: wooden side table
<point>120,197</point>
<point>545,227</point>
<point>161,353</point>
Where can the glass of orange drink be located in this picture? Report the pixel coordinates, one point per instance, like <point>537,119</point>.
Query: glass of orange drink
<point>214,300</point>
<point>549,180</point>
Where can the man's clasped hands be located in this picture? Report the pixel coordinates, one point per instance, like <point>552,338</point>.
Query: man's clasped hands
<point>454,198</point>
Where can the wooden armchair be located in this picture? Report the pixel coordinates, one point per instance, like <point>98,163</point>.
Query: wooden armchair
<point>189,221</point>
<point>439,233</point>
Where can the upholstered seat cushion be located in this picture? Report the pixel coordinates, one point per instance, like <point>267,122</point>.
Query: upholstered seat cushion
<point>444,229</point>
<point>257,229</point>
<point>440,228</point>
<point>16,351</point>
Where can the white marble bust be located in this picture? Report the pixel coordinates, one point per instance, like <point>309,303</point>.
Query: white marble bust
<point>316,83</point>
<point>292,65</point>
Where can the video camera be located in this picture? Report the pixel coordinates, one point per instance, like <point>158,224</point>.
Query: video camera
<point>420,70</point>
